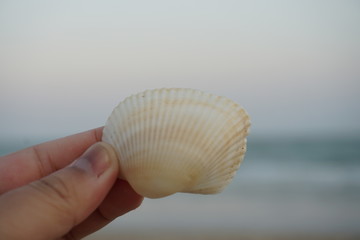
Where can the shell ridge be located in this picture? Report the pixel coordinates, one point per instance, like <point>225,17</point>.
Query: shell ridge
<point>179,123</point>
<point>227,151</point>
<point>201,115</point>
<point>153,123</point>
<point>211,156</point>
<point>197,130</point>
<point>215,168</point>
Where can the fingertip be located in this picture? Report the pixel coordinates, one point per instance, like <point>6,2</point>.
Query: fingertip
<point>110,151</point>
<point>112,154</point>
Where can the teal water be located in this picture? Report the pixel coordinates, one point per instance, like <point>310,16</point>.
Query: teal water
<point>318,161</point>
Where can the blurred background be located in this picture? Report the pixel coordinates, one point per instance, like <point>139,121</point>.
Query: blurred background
<point>294,65</point>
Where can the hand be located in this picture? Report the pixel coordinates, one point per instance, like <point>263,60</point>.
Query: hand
<point>45,194</point>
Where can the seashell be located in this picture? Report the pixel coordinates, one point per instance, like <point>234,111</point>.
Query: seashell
<point>177,140</point>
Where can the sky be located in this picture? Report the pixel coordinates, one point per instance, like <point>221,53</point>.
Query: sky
<point>293,65</point>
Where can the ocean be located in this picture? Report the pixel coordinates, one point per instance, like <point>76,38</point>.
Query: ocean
<point>285,184</point>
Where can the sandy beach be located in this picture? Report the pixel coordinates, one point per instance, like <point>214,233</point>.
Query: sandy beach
<point>216,235</point>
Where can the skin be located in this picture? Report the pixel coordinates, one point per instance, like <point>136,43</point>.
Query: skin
<point>62,189</point>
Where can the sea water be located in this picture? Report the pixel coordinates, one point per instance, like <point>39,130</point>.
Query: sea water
<point>284,184</point>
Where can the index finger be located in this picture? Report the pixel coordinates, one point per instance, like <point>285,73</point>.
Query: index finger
<point>27,165</point>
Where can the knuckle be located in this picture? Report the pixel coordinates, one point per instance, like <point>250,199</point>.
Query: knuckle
<point>56,187</point>
<point>46,164</point>
<point>58,196</point>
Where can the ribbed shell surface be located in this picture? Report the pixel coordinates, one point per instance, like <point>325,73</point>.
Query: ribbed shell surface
<point>177,140</point>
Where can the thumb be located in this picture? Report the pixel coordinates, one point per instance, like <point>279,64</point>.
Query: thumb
<point>52,206</point>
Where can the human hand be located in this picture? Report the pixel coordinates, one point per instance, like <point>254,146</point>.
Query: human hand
<point>45,194</point>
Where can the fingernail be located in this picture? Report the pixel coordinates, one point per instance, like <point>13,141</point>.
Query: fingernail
<point>95,160</point>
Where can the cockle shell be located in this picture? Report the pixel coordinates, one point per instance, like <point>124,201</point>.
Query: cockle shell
<point>177,140</point>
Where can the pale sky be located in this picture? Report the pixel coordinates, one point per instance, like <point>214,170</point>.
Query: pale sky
<point>294,65</point>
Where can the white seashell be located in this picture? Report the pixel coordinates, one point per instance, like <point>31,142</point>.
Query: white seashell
<point>177,140</point>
